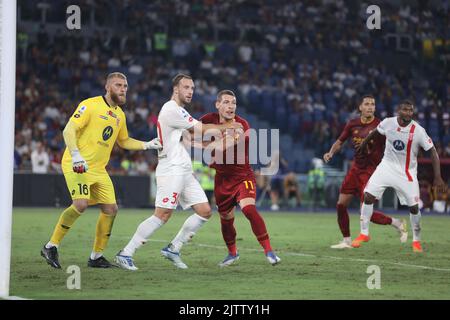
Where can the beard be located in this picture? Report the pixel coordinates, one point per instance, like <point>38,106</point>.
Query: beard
<point>119,100</point>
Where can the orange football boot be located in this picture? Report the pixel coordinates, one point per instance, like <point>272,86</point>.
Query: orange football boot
<point>417,247</point>
<point>356,243</point>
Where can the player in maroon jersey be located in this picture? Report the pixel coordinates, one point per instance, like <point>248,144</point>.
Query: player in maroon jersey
<point>235,182</point>
<point>364,165</point>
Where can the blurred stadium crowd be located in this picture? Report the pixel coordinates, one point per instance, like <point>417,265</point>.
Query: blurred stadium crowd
<point>297,66</point>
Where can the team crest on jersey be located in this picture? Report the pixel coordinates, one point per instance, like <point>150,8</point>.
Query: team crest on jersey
<point>399,145</point>
<point>185,114</point>
<point>107,133</point>
<point>112,114</point>
<point>82,109</point>
<point>77,115</point>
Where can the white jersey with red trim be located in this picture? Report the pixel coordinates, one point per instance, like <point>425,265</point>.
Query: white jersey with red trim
<point>173,159</point>
<point>402,146</point>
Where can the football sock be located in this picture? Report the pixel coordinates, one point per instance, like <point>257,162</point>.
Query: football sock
<point>229,234</point>
<point>379,217</point>
<point>258,226</point>
<point>66,220</point>
<point>343,220</point>
<point>366,214</point>
<point>143,232</point>
<point>396,223</point>
<point>415,225</point>
<point>187,231</point>
<point>102,233</point>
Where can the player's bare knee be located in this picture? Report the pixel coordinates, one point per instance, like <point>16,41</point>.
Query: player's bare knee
<point>414,209</point>
<point>81,205</point>
<point>205,212</point>
<point>368,198</point>
<point>110,209</point>
<point>227,216</point>
<point>163,214</point>
<point>341,204</point>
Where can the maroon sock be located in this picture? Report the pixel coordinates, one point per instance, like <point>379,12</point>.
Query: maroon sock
<point>258,226</point>
<point>343,220</point>
<point>379,217</point>
<point>229,235</point>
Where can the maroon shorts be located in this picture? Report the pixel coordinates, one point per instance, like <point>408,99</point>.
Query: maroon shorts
<point>230,189</point>
<point>356,180</point>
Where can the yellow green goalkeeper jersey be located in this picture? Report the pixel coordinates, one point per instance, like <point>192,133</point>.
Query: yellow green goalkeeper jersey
<point>99,127</point>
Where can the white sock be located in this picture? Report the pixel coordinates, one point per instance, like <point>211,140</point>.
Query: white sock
<point>415,225</point>
<point>96,255</point>
<point>187,231</point>
<point>366,214</point>
<point>396,223</point>
<point>143,232</point>
<point>348,239</point>
<point>51,244</point>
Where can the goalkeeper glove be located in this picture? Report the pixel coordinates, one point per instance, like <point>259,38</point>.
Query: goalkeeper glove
<point>153,144</point>
<point>79,165</point>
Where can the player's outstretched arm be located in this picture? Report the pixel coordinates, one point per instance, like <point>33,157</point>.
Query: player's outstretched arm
<point>336,147</point>
<point>438,182</point>
<point>79,165</point>
<point>133,144</point>
<point>202,127</point>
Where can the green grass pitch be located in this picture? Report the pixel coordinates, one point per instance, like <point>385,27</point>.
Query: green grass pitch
<point>309,268</point>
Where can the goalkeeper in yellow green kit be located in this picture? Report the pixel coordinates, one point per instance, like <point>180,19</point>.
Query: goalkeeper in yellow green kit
<point>95,126</point>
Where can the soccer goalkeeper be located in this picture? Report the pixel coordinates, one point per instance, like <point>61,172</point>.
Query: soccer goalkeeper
<point>90,135</point>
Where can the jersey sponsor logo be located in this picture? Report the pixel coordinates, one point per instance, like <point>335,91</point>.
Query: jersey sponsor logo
<point>399,145</point>
<point>107,133</point>
<point>103,117</point>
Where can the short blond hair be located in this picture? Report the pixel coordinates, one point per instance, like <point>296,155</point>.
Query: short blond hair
<point>116,75</point>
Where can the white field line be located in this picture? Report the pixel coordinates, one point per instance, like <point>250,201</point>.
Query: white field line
<point>299,254</point>
<point>13,298</point>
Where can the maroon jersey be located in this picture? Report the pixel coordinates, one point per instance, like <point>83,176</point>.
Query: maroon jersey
<point>358,131</point>
<point>235,169</point>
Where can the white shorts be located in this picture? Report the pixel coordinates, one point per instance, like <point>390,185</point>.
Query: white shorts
<point>184,189</point>
<point>383,177</point>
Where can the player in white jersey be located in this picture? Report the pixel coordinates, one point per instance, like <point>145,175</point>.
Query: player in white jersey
<point>174,177</point>
<point>398,169</point>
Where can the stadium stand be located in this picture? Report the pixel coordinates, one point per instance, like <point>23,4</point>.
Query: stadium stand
<point>295,66</point>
